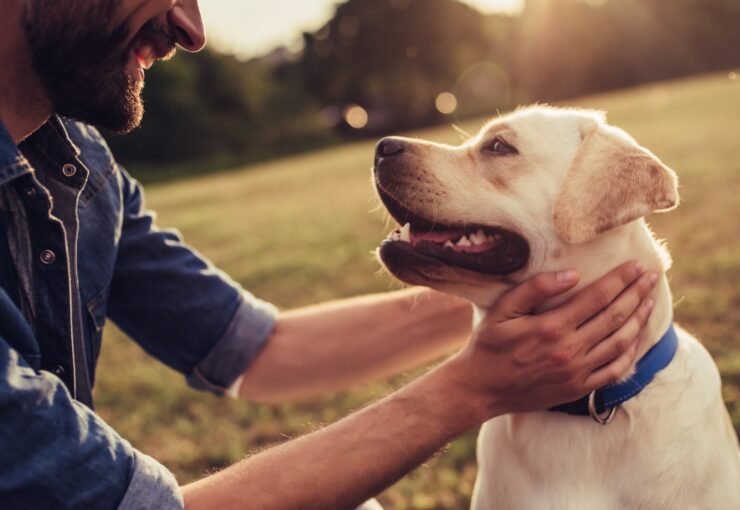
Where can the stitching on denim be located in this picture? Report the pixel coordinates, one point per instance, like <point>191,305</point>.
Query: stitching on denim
<point>209,384</point>
<point>97,183</point>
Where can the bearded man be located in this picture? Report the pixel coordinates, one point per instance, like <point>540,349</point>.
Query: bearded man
<point>77,246</point>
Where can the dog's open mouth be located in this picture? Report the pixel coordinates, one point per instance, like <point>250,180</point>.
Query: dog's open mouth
<point>479,248</point>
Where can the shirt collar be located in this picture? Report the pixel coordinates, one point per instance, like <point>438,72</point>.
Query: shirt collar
<point>12,162</point>
<point>52,139</point>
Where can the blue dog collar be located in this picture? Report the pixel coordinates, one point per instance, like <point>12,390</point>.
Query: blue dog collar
<point>608,398</point>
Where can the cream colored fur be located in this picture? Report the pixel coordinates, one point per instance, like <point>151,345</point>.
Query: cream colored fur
<point>577,192</point>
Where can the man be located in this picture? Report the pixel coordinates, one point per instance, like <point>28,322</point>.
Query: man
<point>76,245</point>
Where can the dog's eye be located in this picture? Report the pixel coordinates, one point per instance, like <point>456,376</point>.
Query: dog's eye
<point>500,148</point>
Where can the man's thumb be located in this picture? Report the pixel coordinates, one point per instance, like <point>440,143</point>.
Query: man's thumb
<point>524,298</point>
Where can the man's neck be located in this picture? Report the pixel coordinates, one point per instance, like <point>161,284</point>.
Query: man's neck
<point>24,106</point>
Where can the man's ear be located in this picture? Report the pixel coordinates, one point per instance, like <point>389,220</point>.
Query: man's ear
<point>611,182</point>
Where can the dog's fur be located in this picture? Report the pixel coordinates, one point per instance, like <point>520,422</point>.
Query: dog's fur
<point>576,190</point>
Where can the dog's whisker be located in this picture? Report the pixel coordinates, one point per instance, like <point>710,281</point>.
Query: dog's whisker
<point>463,134</point>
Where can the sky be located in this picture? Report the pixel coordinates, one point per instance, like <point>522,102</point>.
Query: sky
<point>253,27</point>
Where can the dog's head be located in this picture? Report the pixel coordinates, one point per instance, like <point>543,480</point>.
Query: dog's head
<point>510,202</point>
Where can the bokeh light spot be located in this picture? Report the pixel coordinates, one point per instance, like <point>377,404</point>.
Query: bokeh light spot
<point>446,103</point>
<point>356,116</point>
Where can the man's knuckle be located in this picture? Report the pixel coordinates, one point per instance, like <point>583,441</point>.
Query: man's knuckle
<point>643,316</point>
<point>601,296</point>
<point>643,288</point>
<point>627,274</point>
<point>564,356</point>
<point>617,318</point>
<point>550,330</point>
<point>620,344</point>
<point>540,283</point>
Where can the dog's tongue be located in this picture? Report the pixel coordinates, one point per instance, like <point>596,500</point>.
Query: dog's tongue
<point>455,240</point>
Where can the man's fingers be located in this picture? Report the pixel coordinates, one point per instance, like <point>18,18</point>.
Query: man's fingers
<point>521,300</point>
<point>612,372</point>
<point>590,300</point>
<point>616,315</point>
<point>622,340</point>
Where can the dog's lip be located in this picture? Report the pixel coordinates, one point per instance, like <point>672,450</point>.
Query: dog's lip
<point>506,253</point>
<point>507,257</point>
<point>405,215</point>
<point>468,239</point>
<point>423,229</point>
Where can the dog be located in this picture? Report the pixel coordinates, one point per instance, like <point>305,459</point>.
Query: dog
<point>539,190</point>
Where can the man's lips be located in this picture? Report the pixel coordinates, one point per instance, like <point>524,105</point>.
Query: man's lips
<point>152,43</point>
<point>145,55</point>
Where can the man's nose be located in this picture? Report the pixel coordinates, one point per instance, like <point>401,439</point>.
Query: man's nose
<point>187,23</point>
<point>388,147</point>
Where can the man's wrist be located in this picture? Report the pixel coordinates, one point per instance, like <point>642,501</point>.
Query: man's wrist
<point>470,407</point>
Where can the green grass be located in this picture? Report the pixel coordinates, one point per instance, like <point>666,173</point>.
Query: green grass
<point>300,230</point>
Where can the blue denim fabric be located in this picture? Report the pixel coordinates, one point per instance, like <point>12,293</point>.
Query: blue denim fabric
<point>77,246</point>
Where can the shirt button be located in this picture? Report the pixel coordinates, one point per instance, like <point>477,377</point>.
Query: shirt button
<point>58,370</point>
<point>30,192</point>
<point>48,257</point>
<point>69,170</point>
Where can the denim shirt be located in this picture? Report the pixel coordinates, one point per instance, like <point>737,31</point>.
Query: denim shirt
<point>77,246</point>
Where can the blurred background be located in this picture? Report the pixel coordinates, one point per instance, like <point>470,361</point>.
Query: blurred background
<point>368,67</point>
<point>259,150</point>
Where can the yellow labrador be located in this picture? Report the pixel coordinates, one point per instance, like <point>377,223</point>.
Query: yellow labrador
<point>544,189</point>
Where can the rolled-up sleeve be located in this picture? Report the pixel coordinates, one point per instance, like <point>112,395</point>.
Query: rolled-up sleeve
<point>57,454</point>
<point>151,486</point>
<point>247,332</point>
<point>178,306</point>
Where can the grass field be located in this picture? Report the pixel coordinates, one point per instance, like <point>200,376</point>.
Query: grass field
<point>300,230</point>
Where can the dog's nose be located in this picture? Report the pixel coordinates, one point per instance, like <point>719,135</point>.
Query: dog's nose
<point>388,147</point>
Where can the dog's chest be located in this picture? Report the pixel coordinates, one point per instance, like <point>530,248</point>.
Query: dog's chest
<point>670,436</point>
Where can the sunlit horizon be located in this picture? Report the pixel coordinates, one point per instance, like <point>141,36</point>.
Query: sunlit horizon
<point>251,28</point>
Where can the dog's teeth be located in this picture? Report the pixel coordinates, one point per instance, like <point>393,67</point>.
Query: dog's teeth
<point>449,244</point>
<point>464,241</point>
<point>478,238</point>
<point>406,233</point>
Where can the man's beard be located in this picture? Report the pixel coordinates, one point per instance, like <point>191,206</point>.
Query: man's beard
<point>82,62</point>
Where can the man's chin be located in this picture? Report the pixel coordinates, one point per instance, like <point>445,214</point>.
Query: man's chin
<point>119,116</point>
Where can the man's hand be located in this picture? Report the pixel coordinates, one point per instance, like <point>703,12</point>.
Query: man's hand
<point>516,362</point>
<point>522,362</point>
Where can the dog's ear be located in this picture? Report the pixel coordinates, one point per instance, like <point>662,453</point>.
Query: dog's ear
<point>611,182</point>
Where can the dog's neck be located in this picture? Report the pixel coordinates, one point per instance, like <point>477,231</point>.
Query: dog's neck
<point>631,241</point>
<point>593,259</point>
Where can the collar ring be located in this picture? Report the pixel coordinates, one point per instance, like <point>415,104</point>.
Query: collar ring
<point>602,419</point>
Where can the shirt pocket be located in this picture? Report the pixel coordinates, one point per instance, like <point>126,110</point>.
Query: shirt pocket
<point>96,313</point>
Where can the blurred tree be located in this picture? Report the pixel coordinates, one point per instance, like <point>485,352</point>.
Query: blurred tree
<point>214,108</point>
<point>394,57</point>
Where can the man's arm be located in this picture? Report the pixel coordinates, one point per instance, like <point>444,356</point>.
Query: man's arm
<point>336,345</point>
<point>516,362</point>
<point>56,453</point>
